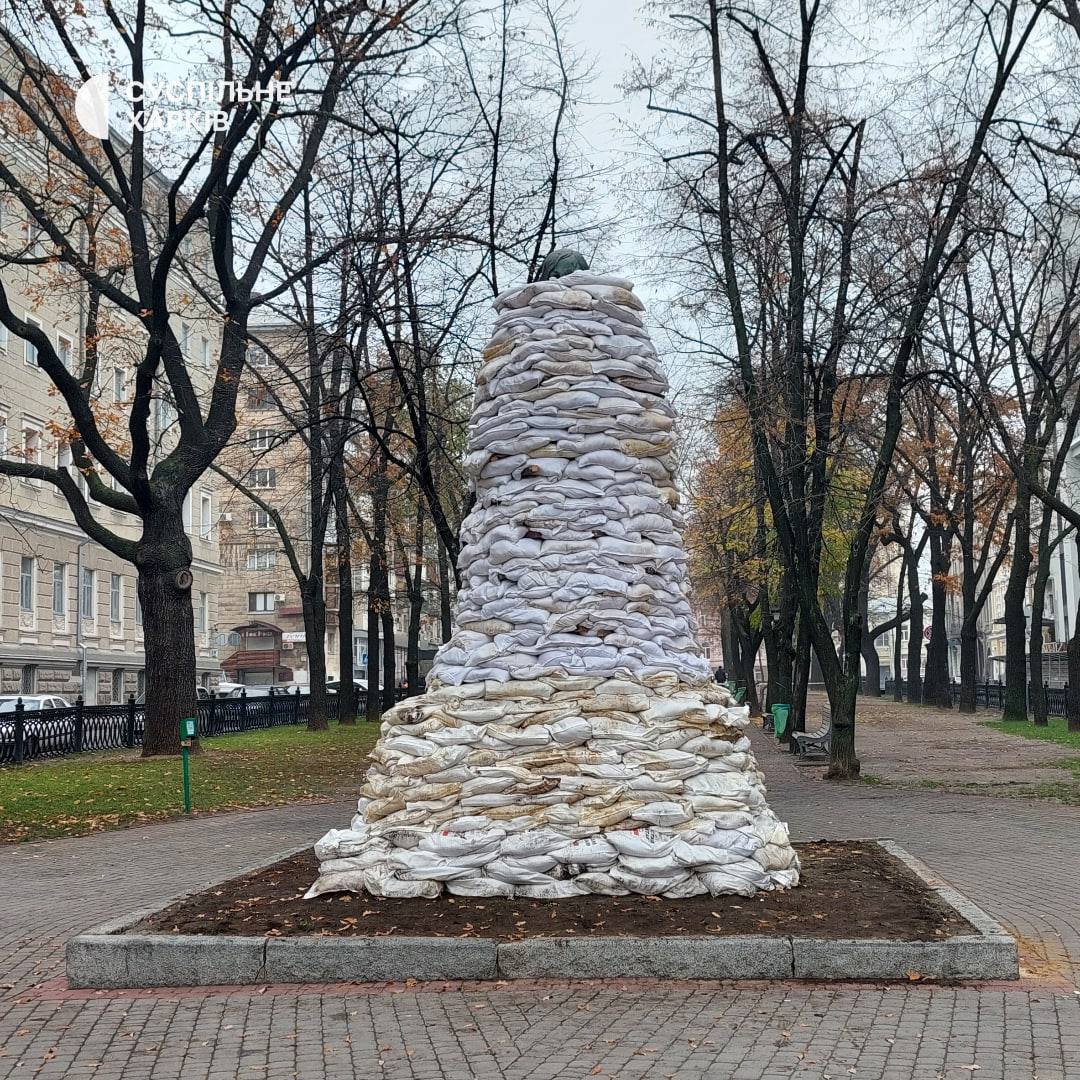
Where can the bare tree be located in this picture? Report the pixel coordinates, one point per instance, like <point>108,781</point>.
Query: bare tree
<point>250,170</point>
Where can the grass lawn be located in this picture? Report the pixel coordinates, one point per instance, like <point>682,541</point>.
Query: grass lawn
<point>87,792</point>
<point>1056,731</point>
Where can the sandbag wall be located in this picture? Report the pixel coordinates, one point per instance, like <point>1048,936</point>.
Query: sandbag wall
<point>571,741</point>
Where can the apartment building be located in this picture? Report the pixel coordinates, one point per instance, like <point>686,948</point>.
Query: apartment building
<point>260,608</point>
<point>69,614</point>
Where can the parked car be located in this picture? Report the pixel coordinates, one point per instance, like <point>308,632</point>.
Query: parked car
<point>255,690</point>
<point>334,685</point>
<point>32,733</point>
<point>201,694</point>
<point>32,702</point>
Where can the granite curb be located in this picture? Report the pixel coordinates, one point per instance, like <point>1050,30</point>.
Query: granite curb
<point>109,956</point>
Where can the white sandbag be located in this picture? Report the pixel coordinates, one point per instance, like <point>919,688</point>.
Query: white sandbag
<point>592,851</point>
<point>641,843</point>
<point>553,890</point>
<point>504,870</point>
<point>647,886</point>
<point>664,814</point>
<point>599,883</point>
<point>479,886</point>
<point>450,844</point>
<point>531,842</point>
<point>383,884</point>
<point>571,731</point>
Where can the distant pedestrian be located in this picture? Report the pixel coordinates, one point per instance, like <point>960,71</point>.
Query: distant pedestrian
<point>721,674</point>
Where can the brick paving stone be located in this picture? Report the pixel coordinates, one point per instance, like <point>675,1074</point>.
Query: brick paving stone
<point>1019,859</point>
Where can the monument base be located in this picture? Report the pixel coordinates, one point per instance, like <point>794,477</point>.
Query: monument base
<point>560,787</point>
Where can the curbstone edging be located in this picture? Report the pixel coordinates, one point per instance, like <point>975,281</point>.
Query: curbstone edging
<point>656,958</point>
<point>381,959</point>
<point>111,957</point>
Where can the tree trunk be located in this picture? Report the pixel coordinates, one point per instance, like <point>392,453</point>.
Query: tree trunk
<point>937,690</point>
<point>389,656</point>
<point>1072,690</point>
<point>867,646</point>
<point>1039,713</point>
<point>898,685</point>
<point>969,661</point>
<point>843,764</point>
<point>913,675</point>
<point>374,699</point>
<point>347,688</point>
<point>780,677</point>
<point>445,611</point>
<point>1015,620</point>
<point>314,604</point>
<point>416,605</point>
<point>873,668</point>
<point>163,558</point>
<point>800,681</point>
<point>769,630</point>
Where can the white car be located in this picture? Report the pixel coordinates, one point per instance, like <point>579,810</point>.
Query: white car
<point>32,702</point>
<point>34,731</point>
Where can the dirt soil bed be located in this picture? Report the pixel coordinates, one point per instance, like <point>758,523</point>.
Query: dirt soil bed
<point>848,889</point>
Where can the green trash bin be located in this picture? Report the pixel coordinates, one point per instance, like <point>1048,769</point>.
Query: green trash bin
<point>781,717</point>
<point>740,695</point>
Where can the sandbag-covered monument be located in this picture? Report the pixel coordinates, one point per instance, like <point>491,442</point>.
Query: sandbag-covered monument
<point>571,740</point>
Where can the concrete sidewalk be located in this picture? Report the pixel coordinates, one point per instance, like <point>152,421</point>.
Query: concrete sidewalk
<point>1019,859</point>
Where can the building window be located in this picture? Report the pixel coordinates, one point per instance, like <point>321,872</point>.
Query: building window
<point>32,235</point>
<point>30,352</point>
<point>264,478</point>
<point>26,584</point>
<point>186,512</point>
<point>261,438</point>
<point>65,350</point>
<point>138,610</point>
<point>185,338</point>
<point>202,613</point>
<point>140,683</point>
<point>204,350</point>
<point>260,601</point>
<point>206,515</point>
<point>260,519</point>
<point>59,589</point>
<point>116,599</point>
<point>118,685</point>
<point>258,357</point>
<point>119,392</point>
<point>28,682</point>
<point>89,599</point>
<point>258,397</point>
<point>32,446</point>
<point>261,559</point>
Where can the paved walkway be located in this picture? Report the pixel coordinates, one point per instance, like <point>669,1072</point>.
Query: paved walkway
<point>1020,859</point>
<point>911,744</point>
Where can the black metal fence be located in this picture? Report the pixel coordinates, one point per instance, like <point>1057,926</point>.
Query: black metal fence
<point>991,695</point>
<point>26,735</point>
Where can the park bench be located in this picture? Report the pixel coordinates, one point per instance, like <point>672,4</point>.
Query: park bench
<point>813,747</point>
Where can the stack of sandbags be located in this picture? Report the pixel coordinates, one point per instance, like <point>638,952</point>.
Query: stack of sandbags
<point>571,742</point>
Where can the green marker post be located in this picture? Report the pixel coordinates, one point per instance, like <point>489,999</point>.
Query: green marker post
<point>187,734</point>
